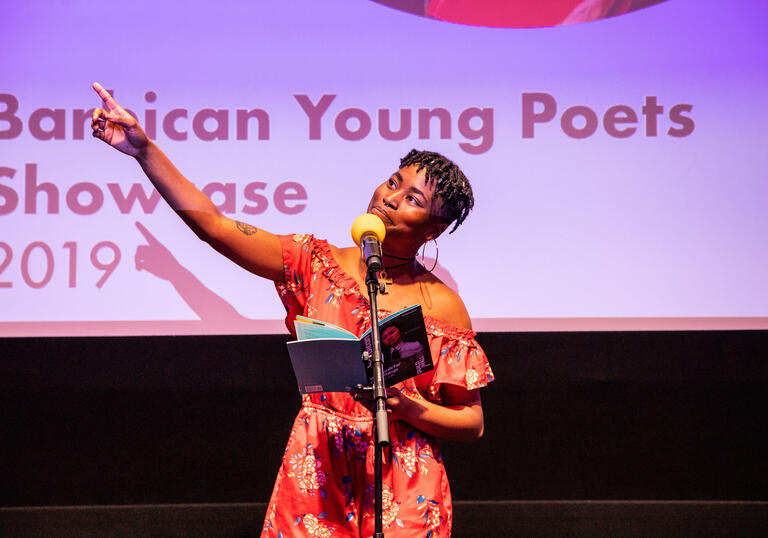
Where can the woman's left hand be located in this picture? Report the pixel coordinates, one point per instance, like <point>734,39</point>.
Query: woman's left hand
<point>397,403</point>
<point>395,400</point>
<point>458,418</point>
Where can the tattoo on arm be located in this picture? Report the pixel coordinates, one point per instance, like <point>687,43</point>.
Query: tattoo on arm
<point>247,229</point>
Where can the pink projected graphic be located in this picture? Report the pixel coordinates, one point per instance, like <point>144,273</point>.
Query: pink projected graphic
<point>519,13</point>
<point>618,166</point>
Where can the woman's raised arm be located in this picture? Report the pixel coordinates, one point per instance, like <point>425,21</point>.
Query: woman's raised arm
<point>254,249</point>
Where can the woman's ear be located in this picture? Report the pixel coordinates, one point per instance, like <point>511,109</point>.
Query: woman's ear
<point>436,229</point>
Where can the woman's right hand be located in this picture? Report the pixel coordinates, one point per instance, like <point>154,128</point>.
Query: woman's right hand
<point>113,125</point>
<point>260,253</point>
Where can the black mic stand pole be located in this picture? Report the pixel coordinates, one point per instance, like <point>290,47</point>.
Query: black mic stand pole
<point>381,423</point>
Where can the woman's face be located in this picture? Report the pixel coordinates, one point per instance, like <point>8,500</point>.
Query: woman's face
<point>409,209</point>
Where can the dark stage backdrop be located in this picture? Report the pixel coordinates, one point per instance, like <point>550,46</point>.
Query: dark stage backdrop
<point>620,415</point>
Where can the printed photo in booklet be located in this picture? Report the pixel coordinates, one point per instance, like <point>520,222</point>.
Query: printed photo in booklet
<point>327,358</point>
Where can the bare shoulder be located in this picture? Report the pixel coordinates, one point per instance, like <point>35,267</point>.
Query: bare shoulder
<point>344,252</point>
<point>346,257</point>
<point>446,304</point>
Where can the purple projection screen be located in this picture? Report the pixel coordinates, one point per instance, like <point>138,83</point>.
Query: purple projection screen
<point>619,165</point>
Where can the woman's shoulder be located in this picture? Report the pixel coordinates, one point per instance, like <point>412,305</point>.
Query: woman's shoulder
<point>447,305</point>
<point>344,253</point>
<point>347,258</point>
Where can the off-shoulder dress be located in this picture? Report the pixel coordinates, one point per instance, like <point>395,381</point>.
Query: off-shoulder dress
<point>324,486</point>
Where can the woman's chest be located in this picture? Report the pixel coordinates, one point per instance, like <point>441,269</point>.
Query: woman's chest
<point>393,293</point>
<point>347,282</point>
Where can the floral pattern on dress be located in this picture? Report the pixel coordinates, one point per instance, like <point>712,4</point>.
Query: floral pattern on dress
<point>389,508</point>
<point>358,443</point>
<point>335,427</point>
<point>335,294</point>
<point>472,379</point>
<point>306,468</point>
<point>315,527</point>
<point>432,517</point>
<point>411,458</point>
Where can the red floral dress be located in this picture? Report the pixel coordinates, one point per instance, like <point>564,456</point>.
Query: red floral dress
<point>325,483</point>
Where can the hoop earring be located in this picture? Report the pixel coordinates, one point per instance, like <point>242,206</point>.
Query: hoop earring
<point>437,255</point>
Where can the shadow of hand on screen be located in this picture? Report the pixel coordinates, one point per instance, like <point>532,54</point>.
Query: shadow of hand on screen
<point>156,259</point>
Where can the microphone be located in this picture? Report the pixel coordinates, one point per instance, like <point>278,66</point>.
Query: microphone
<point>368,231</point>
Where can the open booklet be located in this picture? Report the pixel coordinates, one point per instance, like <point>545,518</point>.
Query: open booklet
<point>327,358</point>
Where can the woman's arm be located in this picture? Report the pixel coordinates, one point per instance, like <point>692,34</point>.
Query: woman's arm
<point>459,418</point>
<point>253,249</point>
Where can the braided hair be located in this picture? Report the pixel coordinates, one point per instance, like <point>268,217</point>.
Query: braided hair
<point>451,185</point>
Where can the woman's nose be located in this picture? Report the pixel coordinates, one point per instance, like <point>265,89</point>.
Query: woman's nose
<point>390,200</point>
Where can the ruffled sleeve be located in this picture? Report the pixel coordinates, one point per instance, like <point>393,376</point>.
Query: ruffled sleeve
<point>458,358</point>
<point>297,265</point>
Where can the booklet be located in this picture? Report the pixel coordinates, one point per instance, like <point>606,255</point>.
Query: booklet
<point>327,358</point>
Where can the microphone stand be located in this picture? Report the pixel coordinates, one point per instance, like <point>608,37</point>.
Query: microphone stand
<point>381,423</point>
<point>368,231</point>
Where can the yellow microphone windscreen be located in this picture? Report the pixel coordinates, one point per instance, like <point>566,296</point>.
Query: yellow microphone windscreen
<point>368,223</point>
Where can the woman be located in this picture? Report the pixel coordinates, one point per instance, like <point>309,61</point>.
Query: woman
<point>325,483</point>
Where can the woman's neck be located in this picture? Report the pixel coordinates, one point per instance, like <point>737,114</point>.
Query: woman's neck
<point>404,253</point>
<point>396,266</point>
